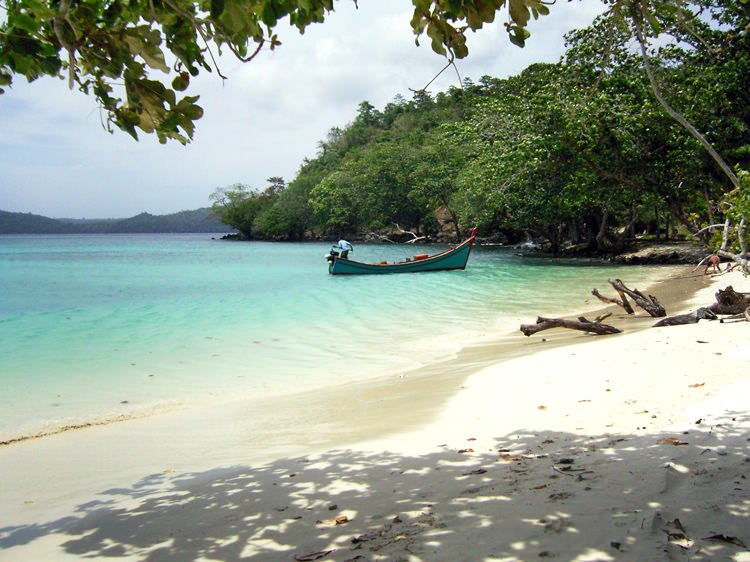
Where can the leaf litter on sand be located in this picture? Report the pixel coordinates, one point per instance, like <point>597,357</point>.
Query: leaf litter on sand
<point>671,441</point>
<point>335,522</point>
<point>312,556</point>
<point>476,471</point>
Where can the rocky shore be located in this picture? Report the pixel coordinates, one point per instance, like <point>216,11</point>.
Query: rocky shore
<point>674,252</point>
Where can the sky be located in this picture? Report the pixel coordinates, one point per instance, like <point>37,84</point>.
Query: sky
<point>57,160</point>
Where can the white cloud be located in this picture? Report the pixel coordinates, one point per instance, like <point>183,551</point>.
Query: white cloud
<point>56,159</point>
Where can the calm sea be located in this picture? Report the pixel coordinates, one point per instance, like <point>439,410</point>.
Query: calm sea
<point>93,327</point>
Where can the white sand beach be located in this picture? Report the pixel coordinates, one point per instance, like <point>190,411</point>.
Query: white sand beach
<point>627,447</point>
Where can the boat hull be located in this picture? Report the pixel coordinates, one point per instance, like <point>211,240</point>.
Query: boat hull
<point>453,258</point>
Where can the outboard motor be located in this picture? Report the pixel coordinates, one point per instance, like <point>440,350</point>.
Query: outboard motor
<point>341,249</point>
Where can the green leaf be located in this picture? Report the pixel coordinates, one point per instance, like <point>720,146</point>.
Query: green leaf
<point>193,111</point>
<point>438,38</point>
<point>487,11</point>
<point>181,82</point>
<point>233,16</point>
<point>653,22</point>
<point>542,9</point>
<point>25,22</point>
<point>518,35</point>
<point>519,12</point>
<point>39,9</point>
<point>145,43</point>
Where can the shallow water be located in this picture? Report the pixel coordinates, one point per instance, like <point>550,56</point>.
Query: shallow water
<point>92,327</point>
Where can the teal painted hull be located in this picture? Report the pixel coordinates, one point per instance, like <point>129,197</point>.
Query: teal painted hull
<point>453,258</point>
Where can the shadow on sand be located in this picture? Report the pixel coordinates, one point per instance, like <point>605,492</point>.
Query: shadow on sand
<point>547,495</point>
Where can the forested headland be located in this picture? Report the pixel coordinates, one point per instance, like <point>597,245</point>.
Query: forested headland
<point>198,220</point>
<point>580,156</point>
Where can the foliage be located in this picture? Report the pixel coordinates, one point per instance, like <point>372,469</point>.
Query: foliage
<point>739,199</point>
<point>736,206</point>
<point>246,209</point>
<point>111,50</point>
<point>577,154</point>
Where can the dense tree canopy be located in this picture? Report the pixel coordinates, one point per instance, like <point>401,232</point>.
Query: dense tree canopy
<point>619,137</point>
<point>580,154</point>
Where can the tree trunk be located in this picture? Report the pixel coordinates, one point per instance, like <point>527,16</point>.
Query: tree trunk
<point>709,207</point>
<point>741,237</point>
<point>674,114</point>
<point>725,235</point>
<point>602,242</point>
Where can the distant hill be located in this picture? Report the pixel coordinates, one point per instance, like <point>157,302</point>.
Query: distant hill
<point>26,223</point>
<point>198,220</point>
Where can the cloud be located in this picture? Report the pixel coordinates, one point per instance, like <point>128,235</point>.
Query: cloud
<point>263,121</point>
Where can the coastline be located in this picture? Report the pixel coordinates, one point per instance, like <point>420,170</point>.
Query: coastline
<point>455,353</point>
<point>192,335</point>
<point>374,431</point>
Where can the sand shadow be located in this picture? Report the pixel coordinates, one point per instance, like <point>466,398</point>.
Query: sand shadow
<point>524,496</point>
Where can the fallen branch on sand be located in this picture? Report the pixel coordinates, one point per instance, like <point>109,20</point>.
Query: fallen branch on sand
<point>689,318</point>
<point>582,324</point>
<point>744,316</point>
<point>622,302</point>
<point>728,302</point>
<point>648,303</point>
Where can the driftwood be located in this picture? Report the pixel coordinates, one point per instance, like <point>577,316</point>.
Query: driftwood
<point>623,302</point>
<point>380,237</point>
<point>650,304</point>
<point>729,301</point>
<point>623,297</point>
<point>583,324</point>
<point>689,318</point>
<point>415,237</point>
<point>744,316</point>
<point>398,232</point>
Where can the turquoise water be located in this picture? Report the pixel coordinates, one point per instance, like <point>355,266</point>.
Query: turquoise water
<point>92,327</point>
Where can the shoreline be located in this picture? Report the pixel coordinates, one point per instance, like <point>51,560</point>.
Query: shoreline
<point>464,410</point>
<point>438,381</point>
<point>468,357</point>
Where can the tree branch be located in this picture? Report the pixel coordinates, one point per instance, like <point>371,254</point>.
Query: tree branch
<point>58,24</point>
<point>672,112</point>
<point>582,325</point>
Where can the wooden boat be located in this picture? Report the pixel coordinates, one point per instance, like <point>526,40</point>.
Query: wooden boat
<point>452,258</point>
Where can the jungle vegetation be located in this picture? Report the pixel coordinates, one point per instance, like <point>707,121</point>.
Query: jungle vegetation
<point>641,127</point>
<point>579,154</point>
